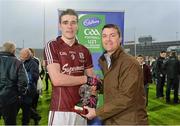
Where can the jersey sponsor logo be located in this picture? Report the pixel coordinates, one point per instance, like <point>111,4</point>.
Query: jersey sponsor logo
<point>66,69</point>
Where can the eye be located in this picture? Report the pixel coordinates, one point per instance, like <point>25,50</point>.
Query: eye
<point>73,22</point>
<point>65,22</point>
<point>104,36</point>
<point>113,35</point>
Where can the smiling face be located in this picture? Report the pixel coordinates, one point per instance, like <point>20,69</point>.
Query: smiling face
<point>68,26</point>
<point>110,40</point>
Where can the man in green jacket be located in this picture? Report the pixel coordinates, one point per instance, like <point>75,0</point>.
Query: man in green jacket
<point>124,97</point>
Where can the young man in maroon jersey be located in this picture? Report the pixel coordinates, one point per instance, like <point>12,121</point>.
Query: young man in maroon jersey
<point>69,65</point>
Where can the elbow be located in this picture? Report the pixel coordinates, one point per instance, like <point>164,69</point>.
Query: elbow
<point>56,82</point>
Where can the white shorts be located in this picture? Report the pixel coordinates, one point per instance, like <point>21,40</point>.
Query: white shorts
<point>65,118</point>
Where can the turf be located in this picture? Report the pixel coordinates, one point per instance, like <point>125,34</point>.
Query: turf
<point>159,113</point>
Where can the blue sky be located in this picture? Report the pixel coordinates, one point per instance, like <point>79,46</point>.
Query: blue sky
<point>22,20</point>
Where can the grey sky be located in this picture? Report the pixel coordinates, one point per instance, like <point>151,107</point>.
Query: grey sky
<point>22,20</point>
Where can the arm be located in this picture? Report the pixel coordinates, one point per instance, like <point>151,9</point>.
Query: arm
<point>60,79</point>
<point>22,79</point>
<point>149,75</point>
<point>90,72</point>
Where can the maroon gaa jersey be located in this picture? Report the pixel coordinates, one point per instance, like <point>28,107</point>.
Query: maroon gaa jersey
<point>73,60</point>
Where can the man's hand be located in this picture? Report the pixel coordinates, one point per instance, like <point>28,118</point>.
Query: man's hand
<point>93,90</point>
<point>91,113</point>
<point>94,81</point>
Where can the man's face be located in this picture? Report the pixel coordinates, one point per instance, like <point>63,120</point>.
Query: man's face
<point>68,26</point>
<point>140,60</point>
<point>110,40</point>
<point>163,55</point>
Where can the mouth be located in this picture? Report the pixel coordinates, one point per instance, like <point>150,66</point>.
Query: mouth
<point>69,31</point>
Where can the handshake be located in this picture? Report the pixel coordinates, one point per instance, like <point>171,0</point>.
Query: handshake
<point>88,97</point>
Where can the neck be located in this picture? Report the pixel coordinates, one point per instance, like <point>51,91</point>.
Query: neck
<point>110,53</point>
<point>70,42</point>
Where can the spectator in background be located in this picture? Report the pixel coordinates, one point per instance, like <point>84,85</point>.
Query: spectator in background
<point>172,68</point>
<point>124,97</point>
<point>44,74</point>
<point>46,79</point>
<point>32,69</point>
<point>147,75</point>
<point>36,95</point>
<point>154,71</point>
<point>160,75</point>
<point>33,56</point>
<point>13,82</point>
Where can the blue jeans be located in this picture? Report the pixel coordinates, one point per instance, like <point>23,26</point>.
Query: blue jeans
<point>95,121</point>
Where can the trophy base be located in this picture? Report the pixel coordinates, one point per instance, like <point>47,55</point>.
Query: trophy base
<point>80,110</point>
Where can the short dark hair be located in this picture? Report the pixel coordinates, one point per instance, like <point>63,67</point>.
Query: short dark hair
<point>173,53</point>
<point>68,12</point>
<point>112,26</point>
<point>140,55</point>
<point>163,51</point>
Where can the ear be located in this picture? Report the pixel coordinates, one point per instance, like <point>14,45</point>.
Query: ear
<point>120,40</point>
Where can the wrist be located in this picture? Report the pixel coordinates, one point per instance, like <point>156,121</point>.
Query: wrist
<point>85,79</point>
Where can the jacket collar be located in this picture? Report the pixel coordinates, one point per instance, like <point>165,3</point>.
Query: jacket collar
<point>6,54</point>
<point>113,57</point>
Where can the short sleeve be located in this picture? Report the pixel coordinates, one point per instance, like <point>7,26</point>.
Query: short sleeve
<point>50,53</point>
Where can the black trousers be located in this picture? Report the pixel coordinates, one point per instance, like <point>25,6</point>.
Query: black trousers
<point>26,112</point>
<point>160,87</point>
<point>46,80</point>
<point>9,113</point>
<point>175,83</point>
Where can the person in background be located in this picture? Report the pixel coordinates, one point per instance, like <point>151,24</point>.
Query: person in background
<point>44,74</point>
<point>147,75</point>
<point>46,79</point>
<point>32,69</point>
<point>34,113</point>
<point>160,75</point>
<point>69,65</point>
<point>124,97</point>
<point>172,69</point>
<point>13,82</point>
<point>154,71</point>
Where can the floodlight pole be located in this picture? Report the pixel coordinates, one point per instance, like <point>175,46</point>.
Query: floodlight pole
<point>135,42</point>
<point>44,23</point>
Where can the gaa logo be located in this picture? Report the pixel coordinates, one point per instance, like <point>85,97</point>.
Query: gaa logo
<point>91,22</point>
<point>91,32</point>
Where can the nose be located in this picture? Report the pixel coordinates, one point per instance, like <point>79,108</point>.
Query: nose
<point>69,25</point>
<point>107,38</point>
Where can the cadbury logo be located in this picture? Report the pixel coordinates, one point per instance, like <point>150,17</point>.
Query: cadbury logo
<point>91,22</point>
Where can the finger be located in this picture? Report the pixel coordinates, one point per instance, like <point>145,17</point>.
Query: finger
<point>86,107</point>
<point>83,115</point>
